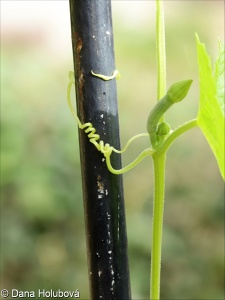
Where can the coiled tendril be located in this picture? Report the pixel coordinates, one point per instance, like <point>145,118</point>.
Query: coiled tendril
<point>94,138</point>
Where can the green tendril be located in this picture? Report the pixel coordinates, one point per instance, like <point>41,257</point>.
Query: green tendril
<point>94,138</point>
<point>116,74</point>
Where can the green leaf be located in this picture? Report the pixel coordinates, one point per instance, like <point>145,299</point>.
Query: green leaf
<point>210,113</point>
<point>219,76</point>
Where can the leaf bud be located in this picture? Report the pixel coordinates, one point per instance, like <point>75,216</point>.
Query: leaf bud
<point>163,129</point>
<point>178,90</point>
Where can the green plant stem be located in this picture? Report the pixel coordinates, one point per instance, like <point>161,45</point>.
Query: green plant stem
<point>159,159</point>
<point>160,49</point>
<point>158,205</point>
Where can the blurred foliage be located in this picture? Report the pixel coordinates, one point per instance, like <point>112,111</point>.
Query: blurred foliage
<point>42,223</point>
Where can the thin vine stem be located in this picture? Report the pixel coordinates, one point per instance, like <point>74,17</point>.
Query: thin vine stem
<point>158,206</point>
<point>160,50</point>
<point>159,161</point>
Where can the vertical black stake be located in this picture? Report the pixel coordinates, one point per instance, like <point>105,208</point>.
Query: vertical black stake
<point>93,49</point>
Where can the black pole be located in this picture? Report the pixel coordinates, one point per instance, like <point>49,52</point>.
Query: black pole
<point>92,40</point>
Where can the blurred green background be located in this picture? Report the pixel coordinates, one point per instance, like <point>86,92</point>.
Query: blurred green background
<point>42,224</point>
